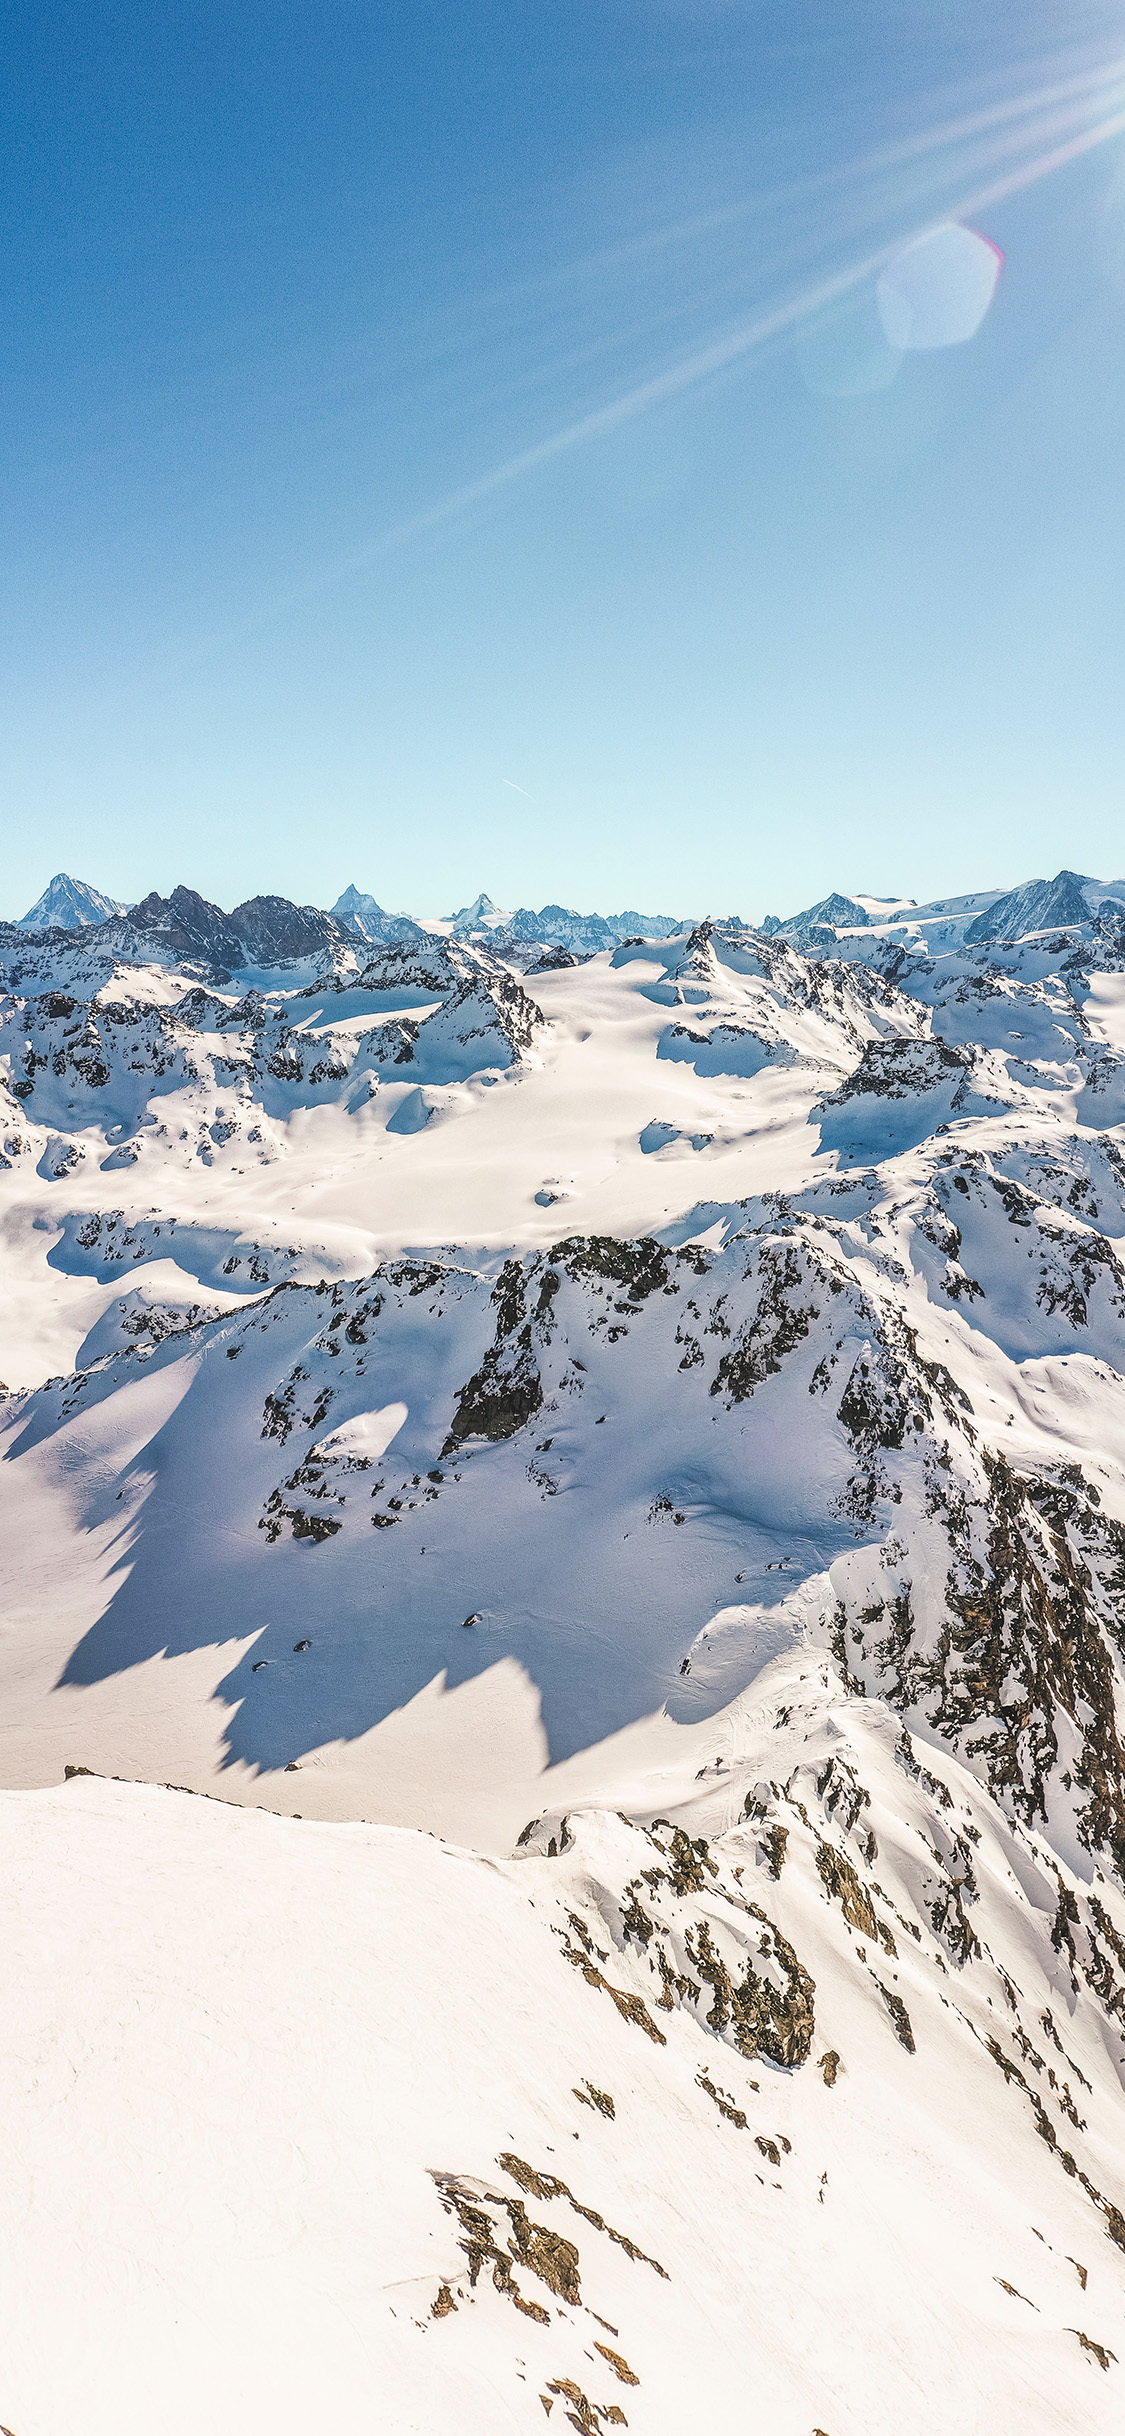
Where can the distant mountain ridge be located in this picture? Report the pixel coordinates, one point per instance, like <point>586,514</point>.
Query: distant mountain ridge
<point>272,933</point>
<point>263,931</point>
<point>1039,905</point>
<point>509,934</point>
<point>860,926</point>
<point>364,914</point>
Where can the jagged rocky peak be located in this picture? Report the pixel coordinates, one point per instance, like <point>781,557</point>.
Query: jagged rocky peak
<point>431,963</point>
<point>68,904</point>
<point>482,914</point>
<point>364,915</point>
<point>485,1017</point>
<point>552,960</point>
<point>352,901</point>
<point>182,925</point>
<point>267,931</point>
<point>1038,905</point>
<point>832,913</point>
<point>274,931</point>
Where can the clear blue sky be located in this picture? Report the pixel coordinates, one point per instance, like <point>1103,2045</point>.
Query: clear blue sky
<point>395,489</point>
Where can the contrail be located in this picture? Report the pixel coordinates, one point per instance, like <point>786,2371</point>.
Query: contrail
<point>510,782</point>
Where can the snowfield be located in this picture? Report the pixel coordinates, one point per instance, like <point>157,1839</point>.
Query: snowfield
<point>610,1476</point>
<point>345,2125</point>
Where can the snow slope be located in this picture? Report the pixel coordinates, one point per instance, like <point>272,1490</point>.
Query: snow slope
<point>808,2118</point>
<point>888,1239</point>
<point>615,1477</point>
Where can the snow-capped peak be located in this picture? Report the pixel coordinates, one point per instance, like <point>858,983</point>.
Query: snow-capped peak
<point>352,901</point>
<point>1038,905</point>
<point>68,904</point>
<point>482,911</point>
<point>363,913</point>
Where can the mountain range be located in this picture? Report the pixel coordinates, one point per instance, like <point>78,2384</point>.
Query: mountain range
<point>270,932</point>
<point>562,1680</point>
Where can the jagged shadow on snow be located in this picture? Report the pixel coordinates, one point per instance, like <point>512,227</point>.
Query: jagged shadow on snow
<point>109,1249</point>
<point>866,1130</point>
<point>596,1603</point>
<point>727,1048</point>
<point>699,1220</point>
<point>902,1092</point>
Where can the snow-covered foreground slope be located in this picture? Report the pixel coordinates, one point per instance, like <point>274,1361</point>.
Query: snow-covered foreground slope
<point>810,2118</point>
<point>450,1401</point>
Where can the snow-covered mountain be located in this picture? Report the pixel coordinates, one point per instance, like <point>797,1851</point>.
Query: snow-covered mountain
<point>629,1463</point>
<point>865,924</point>
<point>797,2102</point>
<point>482,914</point>
<point>68,904</point>
<point>831,914</point>
<point>365,915</point>
<point>270,933</point>
<point>1041,905</point>
<point>521,935</point>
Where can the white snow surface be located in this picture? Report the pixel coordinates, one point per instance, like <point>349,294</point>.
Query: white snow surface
<point>266,2081</point>
<point>612,1482</point>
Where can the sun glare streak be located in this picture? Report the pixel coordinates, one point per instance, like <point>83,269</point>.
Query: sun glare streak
<point>1045,120</point>
<point>1030,107</point>
<point>702,365</point>
<point>1040,111</point>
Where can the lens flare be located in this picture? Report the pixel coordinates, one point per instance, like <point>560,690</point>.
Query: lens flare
<point>852,293</point>
<point>936,292</point>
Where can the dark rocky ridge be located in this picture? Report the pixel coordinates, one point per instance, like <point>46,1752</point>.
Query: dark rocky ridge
<point>1039,905</point>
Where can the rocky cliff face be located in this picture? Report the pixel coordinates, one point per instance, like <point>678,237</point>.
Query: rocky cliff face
<point>1040,905</point>
<point>264,931</point>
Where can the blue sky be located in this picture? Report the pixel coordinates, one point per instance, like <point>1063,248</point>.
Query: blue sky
<point>421,466</point>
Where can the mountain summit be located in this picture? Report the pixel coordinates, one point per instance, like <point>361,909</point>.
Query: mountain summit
<point>1038,905</point>
<point>68,904</point>
<point>482,912</point>
<point>364,914</point>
